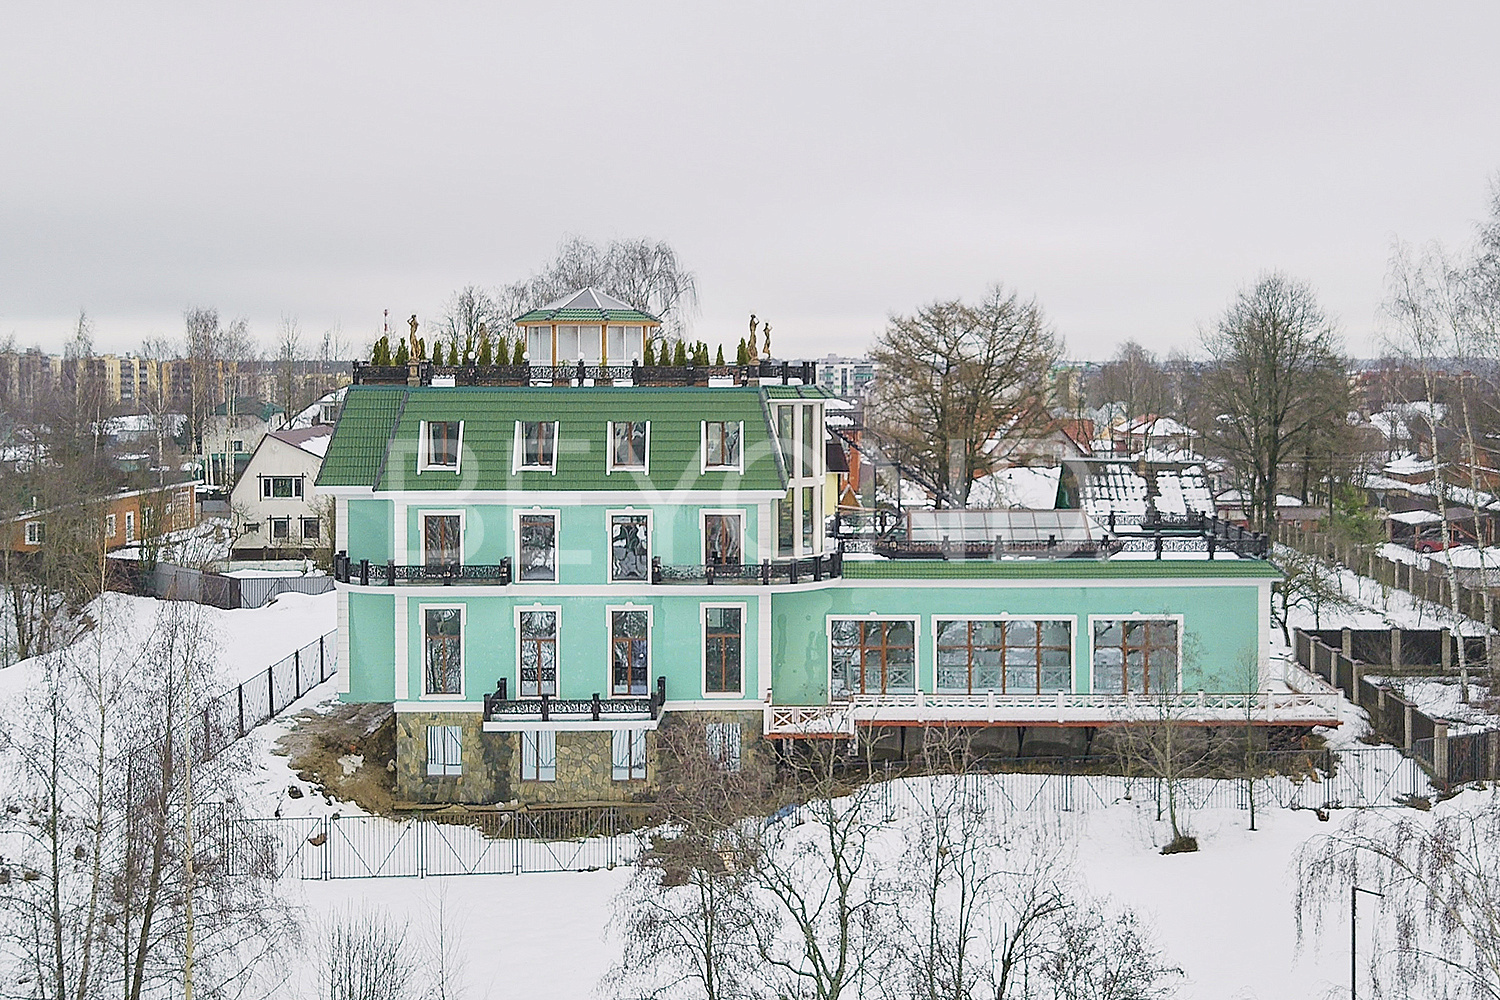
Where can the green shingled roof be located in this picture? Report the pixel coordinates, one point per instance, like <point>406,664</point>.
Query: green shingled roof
<point>375,443</point>
<point>584,305</point>
<point>358,444</point>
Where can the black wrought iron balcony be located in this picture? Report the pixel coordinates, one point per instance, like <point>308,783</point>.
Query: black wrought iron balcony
<point>499,706</point>
<point>806,570</point>
<point>388,574</point>
<point>426,373</point>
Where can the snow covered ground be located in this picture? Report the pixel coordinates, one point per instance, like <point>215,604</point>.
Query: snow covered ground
<point>1223,914</point>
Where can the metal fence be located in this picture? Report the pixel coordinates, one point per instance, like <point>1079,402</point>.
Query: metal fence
<point>181,583</point>
<point>499,843</point>
<point>591,838</point>
<point>231,715</point>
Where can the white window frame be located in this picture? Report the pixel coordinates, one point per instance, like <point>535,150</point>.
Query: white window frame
<point>535,745</point>
<point>1004,616</point>
<point>916,640</point>
<point>1136,616</point>
<point>463,647</point>
<point>34,537</point>
<point>556,609</point>
<point>422,457</point>
<point>703,466</point>
<point>609,540</point>
<point>633,744</point>
<point>423,512</point>
<point>556,515</point>
<point>609,448</point>
<point>610,611</point>
<point>703,531</point>
<point>315,520</point>
<point>129,526</point>
<point>703,609</point>
<point>516,466</point>
<point>734,749</point>
<point>109,525</point>
<point>271,529</point>
<point>544,334</point>
<point>268,488</point>
<point>448,760</point>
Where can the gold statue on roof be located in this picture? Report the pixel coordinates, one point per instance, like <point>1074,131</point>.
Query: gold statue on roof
<point>752,351</point>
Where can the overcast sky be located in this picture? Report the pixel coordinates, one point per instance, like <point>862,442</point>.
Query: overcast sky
<point>1131,165</point>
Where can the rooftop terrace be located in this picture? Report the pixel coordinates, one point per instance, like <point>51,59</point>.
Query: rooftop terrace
<point>425,373</point>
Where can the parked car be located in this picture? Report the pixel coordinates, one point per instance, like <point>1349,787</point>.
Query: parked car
<point>1430,538</point>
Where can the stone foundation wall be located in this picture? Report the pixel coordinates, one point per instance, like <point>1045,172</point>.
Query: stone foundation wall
<point>486,777</point>
<point>585,770</point>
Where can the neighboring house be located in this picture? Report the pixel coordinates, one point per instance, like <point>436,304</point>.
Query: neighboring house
<point>130,516</point>
<point>230,437</point>
<point>324,411</point>
<point>272,502</point>
<point>537,579</point>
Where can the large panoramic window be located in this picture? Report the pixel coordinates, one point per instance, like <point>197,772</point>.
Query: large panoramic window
<point>443,632</point>
<point>539,345</point>
<point>722,545</point>
<point>537,547</point>
<point>629,548</point>
<point>441,443</point>
<point>723,649</point>
<point>809,518</point>
<point>628,750</point>
<point>539,755</point>
<point>811,438</point>
<point>1010,657</point>
<point>786,524</point>
<point>873,657</point>
<point>1136,655</point>
<point>536,442</point>
<point>785,419</point>
<point>629,652</point>
<point>721,444</point>
<point>440,540</point>
<point>538,653</point>
<point>627,444</point>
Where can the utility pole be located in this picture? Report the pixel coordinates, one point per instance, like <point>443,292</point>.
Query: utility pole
<point>1354,892</point>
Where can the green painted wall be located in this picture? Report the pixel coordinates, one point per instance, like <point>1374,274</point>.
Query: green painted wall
<point>370,530</point>
<point>372,648</point>
<point>1221,626</point>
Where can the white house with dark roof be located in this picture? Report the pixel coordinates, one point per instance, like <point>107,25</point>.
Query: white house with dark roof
<point>272,504</point>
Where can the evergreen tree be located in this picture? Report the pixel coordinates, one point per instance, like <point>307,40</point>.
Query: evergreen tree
<point>437,353</point>
<point>402,356</point>
<point>720,359</point>
<point>518,356</point>
<point>679,355</point>
<point>742,353</point>
<point>486,349</point>
<point>421,349</point>
<point>381,355</point>
<point>648,357</point>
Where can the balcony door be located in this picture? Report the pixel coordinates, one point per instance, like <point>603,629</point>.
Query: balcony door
<point>441,540</point>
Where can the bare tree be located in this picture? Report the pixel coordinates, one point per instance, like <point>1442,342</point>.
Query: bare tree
<point>1276,377</point>
<point>961,387</point>
<point>1442,894</point>
<point>1157,741</point>
<point>1106,955</point>
<point>686,921</point>
<point>1305,583</point>
<point>288,353</point>
<point>364,957</point>
<point>646,273</point>
<point>1133,377</point>
<point>471,314</point>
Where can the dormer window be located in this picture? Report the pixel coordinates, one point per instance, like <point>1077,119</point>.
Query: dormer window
<point>721,445</point>
<point>442,441</point>
<point>628,441</point>
<point>536,445</point>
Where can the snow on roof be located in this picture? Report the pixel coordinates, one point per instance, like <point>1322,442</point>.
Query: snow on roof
<point>314,413</point>
<point>1416,516</point>
<point>1019,486</point>
<point>313,440</point>
<point>1116,487</point>
<point>1408,466</point>
<point>1183,492</point>
<point>1469,557</point>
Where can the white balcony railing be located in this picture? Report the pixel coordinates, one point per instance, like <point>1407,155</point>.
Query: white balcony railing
<point>1315,707</point>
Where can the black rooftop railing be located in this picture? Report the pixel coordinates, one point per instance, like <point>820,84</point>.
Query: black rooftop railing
<point>546,708</point>
<point>809,569</point>
<point>424,373</point>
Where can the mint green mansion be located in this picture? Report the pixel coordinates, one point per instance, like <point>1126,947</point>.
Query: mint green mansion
<point>540,565</point>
